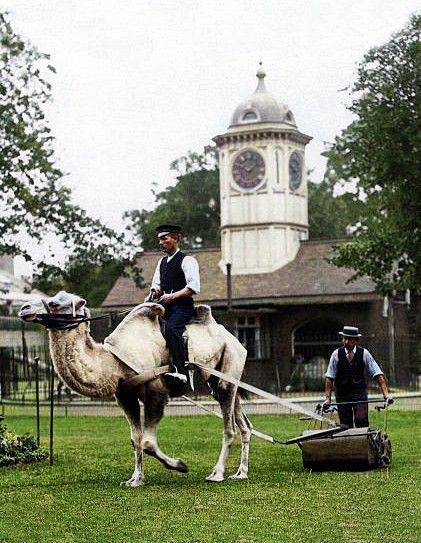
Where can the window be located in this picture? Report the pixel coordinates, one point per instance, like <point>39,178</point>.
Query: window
<point>249,116</point>
<point>248,331</point>
<point>290,117</point>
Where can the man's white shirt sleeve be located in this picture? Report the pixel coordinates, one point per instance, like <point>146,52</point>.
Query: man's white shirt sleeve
<point>333,365</point>
<point>190,267</point>
<point>156,279</point>
<point>371,365</point>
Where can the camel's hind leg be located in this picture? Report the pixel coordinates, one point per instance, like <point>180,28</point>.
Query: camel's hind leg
<point>226,397</point>
<point>130,405</point>
<point>245,432</point>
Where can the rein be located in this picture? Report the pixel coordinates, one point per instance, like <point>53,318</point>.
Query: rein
<point>70,321</point>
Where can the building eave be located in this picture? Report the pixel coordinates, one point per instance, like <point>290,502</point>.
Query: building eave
<point>263,133</point>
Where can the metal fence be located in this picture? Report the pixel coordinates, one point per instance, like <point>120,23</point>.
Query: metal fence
<point>400,361</point>
<point>301,372</point>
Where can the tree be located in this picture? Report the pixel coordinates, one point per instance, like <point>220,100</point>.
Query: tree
<point>92,282</point>
<point>35,206</point>
<point>330,216</point>
<point>379,151</point>
<point>192,202</point>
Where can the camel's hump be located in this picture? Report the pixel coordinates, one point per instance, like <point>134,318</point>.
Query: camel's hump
<point>137,340</point>
<point>202,314</point>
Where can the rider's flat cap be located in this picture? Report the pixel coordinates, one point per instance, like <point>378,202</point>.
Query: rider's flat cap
<point>164,229</point>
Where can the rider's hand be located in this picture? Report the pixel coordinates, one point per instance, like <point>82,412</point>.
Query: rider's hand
<point>166,298</point>
<point>326,404</point>
<point>153,295</point>
<point>388,399</point>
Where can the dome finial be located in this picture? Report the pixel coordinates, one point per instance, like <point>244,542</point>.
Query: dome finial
<point>261,74</point>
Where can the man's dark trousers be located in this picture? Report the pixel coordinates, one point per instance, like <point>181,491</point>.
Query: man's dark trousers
<point>358,413</point>
<point>176,317</point>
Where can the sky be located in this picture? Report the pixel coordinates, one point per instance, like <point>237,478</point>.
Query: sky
<point>139,83</point>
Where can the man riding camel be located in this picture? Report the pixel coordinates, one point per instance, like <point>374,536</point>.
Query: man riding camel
<point>175,281</point>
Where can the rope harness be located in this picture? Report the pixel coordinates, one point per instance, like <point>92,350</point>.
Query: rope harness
<point>70,321</point>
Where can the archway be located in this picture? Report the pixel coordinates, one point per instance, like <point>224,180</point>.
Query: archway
<point>312,344</point>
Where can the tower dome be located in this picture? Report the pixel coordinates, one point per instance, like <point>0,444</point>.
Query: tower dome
<point>261,107</point>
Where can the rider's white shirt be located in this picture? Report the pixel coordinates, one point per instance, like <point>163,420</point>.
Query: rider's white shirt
<point>190,267</point>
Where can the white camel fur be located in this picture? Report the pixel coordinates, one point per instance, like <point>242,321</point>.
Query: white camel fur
<point>99,371</point>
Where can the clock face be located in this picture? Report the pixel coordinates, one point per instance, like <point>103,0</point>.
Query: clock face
<point>248,169</point>
<point>295,171</point>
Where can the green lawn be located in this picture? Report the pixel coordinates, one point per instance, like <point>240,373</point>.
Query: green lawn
<point>79,499</point>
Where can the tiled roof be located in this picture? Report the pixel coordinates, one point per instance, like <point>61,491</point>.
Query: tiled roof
<point>308,275</point>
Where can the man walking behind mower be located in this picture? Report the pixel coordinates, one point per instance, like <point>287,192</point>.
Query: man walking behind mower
<point>349,367</point>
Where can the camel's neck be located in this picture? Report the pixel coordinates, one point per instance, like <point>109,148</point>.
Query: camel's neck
<point>84,365</point>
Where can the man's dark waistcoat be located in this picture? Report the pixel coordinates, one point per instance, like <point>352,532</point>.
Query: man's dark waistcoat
<point>351,376</point>
<point>172,277</point>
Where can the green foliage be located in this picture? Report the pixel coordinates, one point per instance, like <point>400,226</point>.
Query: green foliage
<point>92,282</point>
<point>380,152</point>
<point>330,216</point>
<point>79,499</point>
<point>16,449</point>
<point>35,206</point>
<point>192,202</point>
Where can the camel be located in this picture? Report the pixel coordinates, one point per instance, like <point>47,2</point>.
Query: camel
<point>136,346</point>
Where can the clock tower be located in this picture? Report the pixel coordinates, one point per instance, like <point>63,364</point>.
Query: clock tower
<point>263,185</point>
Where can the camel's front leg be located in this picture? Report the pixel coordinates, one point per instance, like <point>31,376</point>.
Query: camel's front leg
<point>150,447</point>
<point>154,402</point>
<point>225,394</point>
<point>130,405</point>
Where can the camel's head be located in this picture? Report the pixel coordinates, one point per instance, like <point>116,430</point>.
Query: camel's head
<point>63,303</point>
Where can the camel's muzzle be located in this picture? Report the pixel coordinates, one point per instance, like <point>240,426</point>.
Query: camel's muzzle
<point>27,313</point>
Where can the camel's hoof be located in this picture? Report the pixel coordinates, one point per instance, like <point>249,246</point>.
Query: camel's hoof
<point>133,482</point>
<point>179,465</point>
<point>240,475</point>
<point>182,467</point>
<point>215,478</point>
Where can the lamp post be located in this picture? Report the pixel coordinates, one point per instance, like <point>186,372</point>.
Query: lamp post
<point>229,286</point>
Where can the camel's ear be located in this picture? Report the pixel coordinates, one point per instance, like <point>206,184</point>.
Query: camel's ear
<point>151,310</point>
<point>80,303</point>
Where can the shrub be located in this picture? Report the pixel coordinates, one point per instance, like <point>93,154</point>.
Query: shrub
<point>16,449</point>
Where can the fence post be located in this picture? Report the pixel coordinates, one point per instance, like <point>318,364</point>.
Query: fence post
<point>391,334</point>
<point>52,415</point>
<point>36,360</point>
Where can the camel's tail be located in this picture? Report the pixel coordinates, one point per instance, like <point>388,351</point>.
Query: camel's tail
<point>213,381</point>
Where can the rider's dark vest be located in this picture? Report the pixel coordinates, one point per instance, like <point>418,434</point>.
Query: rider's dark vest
<point>350,377</point>
<point>172,277</point>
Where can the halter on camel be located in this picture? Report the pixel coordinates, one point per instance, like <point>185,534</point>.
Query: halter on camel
<point>71,321</point>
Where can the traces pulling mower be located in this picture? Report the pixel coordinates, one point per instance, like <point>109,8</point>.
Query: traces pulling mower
<point>333,448</point>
